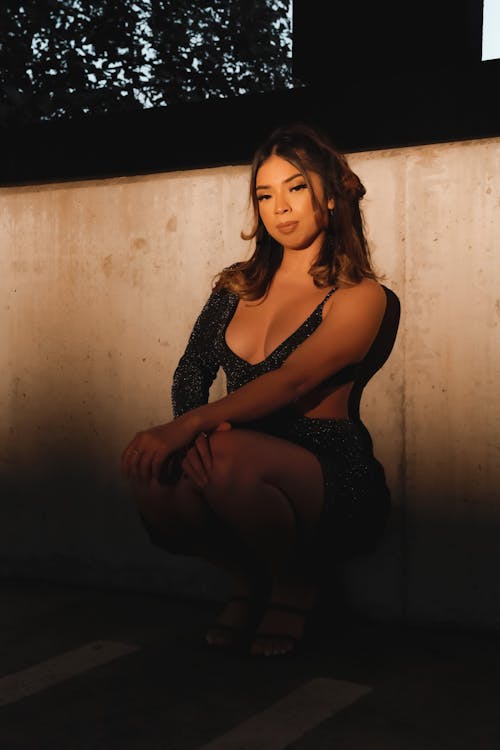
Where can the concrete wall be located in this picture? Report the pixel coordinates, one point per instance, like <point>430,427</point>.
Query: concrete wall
<point>101,282</point>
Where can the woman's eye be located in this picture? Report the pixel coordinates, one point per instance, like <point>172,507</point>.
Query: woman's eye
<point>299,187</point>
<point>263,197</point>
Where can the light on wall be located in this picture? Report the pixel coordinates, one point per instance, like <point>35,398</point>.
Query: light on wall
<point>491,30</point>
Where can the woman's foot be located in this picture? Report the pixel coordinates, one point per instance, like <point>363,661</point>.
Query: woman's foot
<point>232,624</point>
<point>282,627</point>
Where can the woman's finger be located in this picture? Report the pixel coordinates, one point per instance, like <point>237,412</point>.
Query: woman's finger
<point>130,458</point>
<point>159,465</point>
<point>126,458</point>
<point>223,427</point>
<point>132,455</point>
<point>202,444</point>
<point>135,461</point>
<point>193,467</point>
<point>144,466</point>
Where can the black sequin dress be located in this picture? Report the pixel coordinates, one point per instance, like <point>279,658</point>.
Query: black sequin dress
<point>356,497</point>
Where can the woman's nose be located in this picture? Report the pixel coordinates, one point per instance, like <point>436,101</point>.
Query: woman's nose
<point>281,206</point>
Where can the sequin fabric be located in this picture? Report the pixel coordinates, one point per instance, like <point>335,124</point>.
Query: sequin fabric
<point>356,498</point>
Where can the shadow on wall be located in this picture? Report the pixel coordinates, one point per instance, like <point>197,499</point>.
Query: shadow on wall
<point>443,569</point>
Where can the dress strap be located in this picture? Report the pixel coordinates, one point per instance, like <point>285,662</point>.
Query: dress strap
<point>328,296</point>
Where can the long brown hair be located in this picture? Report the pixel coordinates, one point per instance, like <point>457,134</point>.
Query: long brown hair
<point>344,255</point>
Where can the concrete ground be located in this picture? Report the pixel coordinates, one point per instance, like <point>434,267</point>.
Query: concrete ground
<point>89,669</point>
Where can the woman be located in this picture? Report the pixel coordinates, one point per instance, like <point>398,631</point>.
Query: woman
<point>276,477</point>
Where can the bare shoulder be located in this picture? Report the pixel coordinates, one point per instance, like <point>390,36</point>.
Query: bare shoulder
<point>367,294</point>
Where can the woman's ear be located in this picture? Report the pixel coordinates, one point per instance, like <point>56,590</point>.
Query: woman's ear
<point>331,204</point>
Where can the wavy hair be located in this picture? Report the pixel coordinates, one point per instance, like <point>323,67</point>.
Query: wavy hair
<point>344,255</point>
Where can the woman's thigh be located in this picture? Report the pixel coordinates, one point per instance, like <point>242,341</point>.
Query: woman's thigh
<point>244,459</point>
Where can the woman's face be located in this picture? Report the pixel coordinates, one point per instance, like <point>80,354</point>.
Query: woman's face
<point>286,205</point>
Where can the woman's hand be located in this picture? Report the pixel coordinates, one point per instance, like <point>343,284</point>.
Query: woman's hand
<point>197,462</point>
<point>143,457</point>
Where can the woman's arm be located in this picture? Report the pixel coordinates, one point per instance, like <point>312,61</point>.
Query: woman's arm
<point>195,372</point>
<point>256,399</point>
<point>198,366</point>
<point>344,337</point>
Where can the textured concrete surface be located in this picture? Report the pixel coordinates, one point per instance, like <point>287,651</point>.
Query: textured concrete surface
<point>100,285</point>
<point>382,687</point>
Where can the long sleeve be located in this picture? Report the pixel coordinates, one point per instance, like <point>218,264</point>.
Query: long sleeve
<point>199,364</point>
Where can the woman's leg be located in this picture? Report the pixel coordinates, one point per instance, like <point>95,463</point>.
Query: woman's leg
<point>263,494</point>
<point>271,491</point>
<point>179,520</point>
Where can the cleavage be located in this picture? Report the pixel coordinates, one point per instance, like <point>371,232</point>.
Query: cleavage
<point>240,333</point>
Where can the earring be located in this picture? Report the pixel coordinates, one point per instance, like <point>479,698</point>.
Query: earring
<point>330,212</point>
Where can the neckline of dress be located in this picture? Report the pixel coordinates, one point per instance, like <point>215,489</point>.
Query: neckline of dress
<point>277,348</point>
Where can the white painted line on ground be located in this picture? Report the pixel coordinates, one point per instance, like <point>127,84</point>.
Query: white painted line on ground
<point>290,718</point>
<point>28,681</point>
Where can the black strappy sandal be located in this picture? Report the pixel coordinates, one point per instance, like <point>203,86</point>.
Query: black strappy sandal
<point>297,643</point>
<point>237,635</point>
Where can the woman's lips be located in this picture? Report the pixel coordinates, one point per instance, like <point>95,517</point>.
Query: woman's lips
<point>287,226</point>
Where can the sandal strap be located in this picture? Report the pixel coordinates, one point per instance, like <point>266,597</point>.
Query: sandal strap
<point>288,608</point>
<point>280,636</point>
<point>226,628</point>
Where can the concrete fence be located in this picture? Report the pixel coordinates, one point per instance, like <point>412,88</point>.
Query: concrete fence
<point>101,282</point>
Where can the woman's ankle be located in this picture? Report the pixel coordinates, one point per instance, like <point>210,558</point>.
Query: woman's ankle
<point>298,592</point>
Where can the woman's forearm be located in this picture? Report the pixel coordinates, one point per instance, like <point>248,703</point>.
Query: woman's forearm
<point>254,400</point>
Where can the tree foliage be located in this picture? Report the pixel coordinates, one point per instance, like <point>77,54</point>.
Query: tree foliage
<point>68,57</point>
